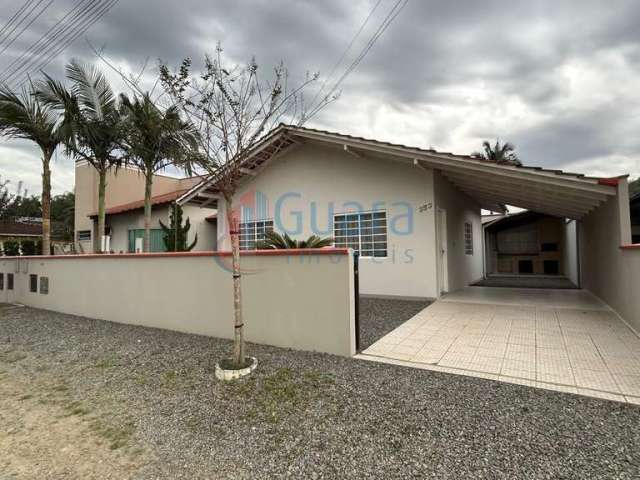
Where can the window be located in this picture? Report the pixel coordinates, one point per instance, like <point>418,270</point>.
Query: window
<point>549,247</point>
<point>551,267</point>
<point>468,238</point>
<point>44,285</point>
<point>253,232</point>
<point>1,281</point>
<point>365,232</point>
<point>525,266</point>
<point>156,240</point>
<point>9,281</point>
<point>33,283</point>
<point>84,235</point>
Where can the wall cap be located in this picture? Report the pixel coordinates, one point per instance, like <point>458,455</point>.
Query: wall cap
<point>246,253</point>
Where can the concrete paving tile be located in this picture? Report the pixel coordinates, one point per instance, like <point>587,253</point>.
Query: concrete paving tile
<point>629,384</point>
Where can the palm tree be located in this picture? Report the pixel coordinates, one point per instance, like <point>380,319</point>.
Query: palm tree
<point>153,140</point>
<point>276,241</point>
<point>91,123</point>
<point>24,116</point>
<point>502,154</point>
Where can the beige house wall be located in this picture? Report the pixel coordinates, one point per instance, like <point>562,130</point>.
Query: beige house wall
<point>463,269</point>
<point>303,302</point>
<point>304,188</point>
<point>609,271</point>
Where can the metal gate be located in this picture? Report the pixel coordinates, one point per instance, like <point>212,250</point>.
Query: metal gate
<point>356,298</point>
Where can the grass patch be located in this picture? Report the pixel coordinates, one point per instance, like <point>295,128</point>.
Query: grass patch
<point>169,378</point>
<point>11,356</point>
<point>116,435</point>
<point>106,363</point>
<point>76,408</point>
<point>276,395</point>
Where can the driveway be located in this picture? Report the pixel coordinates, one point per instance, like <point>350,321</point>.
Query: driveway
<point>565,340</point>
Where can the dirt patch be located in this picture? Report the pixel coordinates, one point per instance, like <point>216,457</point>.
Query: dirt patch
<point>44,435</point>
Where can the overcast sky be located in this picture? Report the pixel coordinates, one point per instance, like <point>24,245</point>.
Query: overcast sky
<point>557,79</point>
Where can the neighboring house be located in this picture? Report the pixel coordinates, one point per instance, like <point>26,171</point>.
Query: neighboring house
<point>634,207</point>
<point>124,208</point>
<point>530,243</point>
<point>19,232</point>
<point>414,215</point>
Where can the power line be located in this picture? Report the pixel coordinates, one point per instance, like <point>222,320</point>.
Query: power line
<point>344,53</point>
<point>77,20</point>
<point>110,4</point>
<point>389,18</point>
<point>13,17</point>
<point>48,38</point>
<point>71,33</point>
<point>7,45</point>
<point>395,11</point>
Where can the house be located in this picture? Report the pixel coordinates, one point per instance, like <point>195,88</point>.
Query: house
<point>414,215</point>
<point>19,232</point>
<point>634,207</point>
<point>530,243</point>
<point>124,201</point>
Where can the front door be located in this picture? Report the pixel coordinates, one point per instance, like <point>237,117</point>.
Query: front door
<point>443,269</point>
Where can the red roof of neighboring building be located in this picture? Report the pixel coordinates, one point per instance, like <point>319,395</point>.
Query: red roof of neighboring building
<point>20,229</point>
<point>157,200</point>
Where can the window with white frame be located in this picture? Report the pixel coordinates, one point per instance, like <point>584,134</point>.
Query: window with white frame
<point>253,232</point>
<point>468,238</point>
<point>365,232</point>
<point>84,235</point>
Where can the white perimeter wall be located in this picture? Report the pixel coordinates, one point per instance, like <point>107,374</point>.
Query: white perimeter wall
<point>463,269</point>
<point>303,302</point>
<point>305,185</point>
<point>609,271</point>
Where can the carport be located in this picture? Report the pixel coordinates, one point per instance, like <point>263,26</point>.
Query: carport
<point>566,340</point>
<point>568,197</point>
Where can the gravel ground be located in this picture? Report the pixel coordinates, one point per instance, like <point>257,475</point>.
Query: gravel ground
<point>151,396</point>
<point>380,316</point>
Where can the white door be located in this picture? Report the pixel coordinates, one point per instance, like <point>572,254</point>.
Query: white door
<point>443,268</point>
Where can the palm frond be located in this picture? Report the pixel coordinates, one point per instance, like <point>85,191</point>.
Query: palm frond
<point>92,89</point>
<point>23,116</point>
<point>276,241</point>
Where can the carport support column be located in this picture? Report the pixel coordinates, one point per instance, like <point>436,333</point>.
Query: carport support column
<point>623,211</point>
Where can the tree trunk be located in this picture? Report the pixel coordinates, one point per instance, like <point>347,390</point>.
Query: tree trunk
<point>46,204</point>
<point>238,338</point>
<point>102,187</point>
<point>148,184</point>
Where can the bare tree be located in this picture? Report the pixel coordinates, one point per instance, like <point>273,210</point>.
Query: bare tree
<point>233,107</point>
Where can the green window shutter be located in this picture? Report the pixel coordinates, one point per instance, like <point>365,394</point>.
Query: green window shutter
<point>157,242</point>
<point>132,241</point>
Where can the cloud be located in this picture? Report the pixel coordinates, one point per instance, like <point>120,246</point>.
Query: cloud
<point>558,79</point>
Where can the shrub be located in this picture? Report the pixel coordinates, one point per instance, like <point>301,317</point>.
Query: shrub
<point>274,240</point>
<point>28,248</point>
<point>11,248</point>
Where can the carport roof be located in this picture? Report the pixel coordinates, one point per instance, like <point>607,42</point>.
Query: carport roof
<point>492,185</point>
